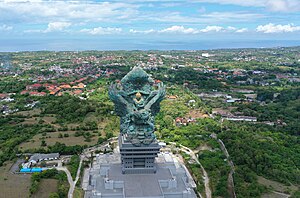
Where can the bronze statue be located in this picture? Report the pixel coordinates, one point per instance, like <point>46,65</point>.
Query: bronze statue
<point>137,102</point>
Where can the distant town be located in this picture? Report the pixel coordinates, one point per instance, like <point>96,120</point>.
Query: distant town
<point>236,111</point>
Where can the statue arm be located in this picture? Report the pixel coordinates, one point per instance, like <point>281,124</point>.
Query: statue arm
<point>153,103</point>
<point>121,105</point>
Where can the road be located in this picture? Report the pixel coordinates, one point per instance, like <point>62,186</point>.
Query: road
<point>85,153</point>
<point>70,180</point>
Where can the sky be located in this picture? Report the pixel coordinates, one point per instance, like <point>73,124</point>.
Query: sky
<point>147,24</point>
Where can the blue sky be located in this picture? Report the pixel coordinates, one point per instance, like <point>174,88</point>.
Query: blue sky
<point>147,24</point>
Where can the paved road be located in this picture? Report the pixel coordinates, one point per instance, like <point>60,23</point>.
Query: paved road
<point>84,154</point>
<point>70,180</point>
<point>71,190</point>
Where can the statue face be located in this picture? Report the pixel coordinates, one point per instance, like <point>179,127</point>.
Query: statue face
<point>138,96</point>
<point>138,99</point>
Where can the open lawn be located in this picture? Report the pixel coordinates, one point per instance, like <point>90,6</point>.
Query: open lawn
<point>30,121</point>
<point>276,186</point>
<point>52,137</point>
<point>78,193</point>
<point>46,187</point>
<point>13,185</point>
<point>30,112</point>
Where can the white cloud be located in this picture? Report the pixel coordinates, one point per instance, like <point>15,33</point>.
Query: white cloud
<point>272,5</point>
<point>206,17</point>
<point>5,27</point>
<point>102,31</point>
<point>272,28</point>
<point>37,11</point>
<point>212,29</point>
<point>242,30</point>
<point>142,31</point>
<point>283,5</point>
<point>232,16</point>
<point>57,26</point>
<point>179,29</point>
<point>230,28</point>
<point>185,30</point>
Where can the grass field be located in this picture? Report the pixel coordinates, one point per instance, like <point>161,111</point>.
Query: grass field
<point>78,193</point>
<point>13,185</point>
<point>276,186</point>
<point>52,137</point>
<point>29,113</point>
<point>46,187</point>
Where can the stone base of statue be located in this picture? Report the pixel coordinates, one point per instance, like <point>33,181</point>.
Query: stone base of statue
<point>170,179</point>
<point>137,159</point>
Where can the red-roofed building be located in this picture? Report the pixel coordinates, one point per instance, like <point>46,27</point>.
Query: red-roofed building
<point>3,96</point>
<point>24,92</point>
<point>54,91</point>
<point>65,86</point>
<point>77,92</point>
<point>34,86</point>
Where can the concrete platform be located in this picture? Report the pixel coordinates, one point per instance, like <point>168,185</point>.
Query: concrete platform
<point>106,180</point>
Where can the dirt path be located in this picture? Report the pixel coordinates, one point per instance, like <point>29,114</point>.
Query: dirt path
<point>206,178</point>
<point>230,182</point>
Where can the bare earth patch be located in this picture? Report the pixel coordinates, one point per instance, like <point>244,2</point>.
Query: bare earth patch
<point>197,114</point>
<point>52,137</point>
<point>46,187</point>
<point>13,185</point>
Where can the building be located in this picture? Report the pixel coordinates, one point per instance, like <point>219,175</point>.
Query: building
<point>38,157</point>
<point>34,86</point>
<point>138,160</point>
<point>35,93</point>
<point>171,180</point>
<point>241,118</point>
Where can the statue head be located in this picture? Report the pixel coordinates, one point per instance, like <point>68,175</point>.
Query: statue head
<point>137,80</point>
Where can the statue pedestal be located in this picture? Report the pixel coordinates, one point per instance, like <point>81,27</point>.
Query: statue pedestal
<point>137,159</point>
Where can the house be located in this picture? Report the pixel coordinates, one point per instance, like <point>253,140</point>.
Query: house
<point>241,118</point>
<point>184,121</point>
<point>172,97</point>
<point>34,86</point>
<point>65,86</point>
<point>24,92</point>
<point>54,91</point>
<point>77,92</point>
<point>38,157</point>
<point>81,85</point>
<point>2,96</point>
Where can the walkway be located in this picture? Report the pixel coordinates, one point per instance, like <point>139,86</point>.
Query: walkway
<point>205,175</point>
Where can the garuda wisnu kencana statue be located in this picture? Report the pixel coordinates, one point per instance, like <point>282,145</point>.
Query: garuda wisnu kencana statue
<point>137,101</point>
